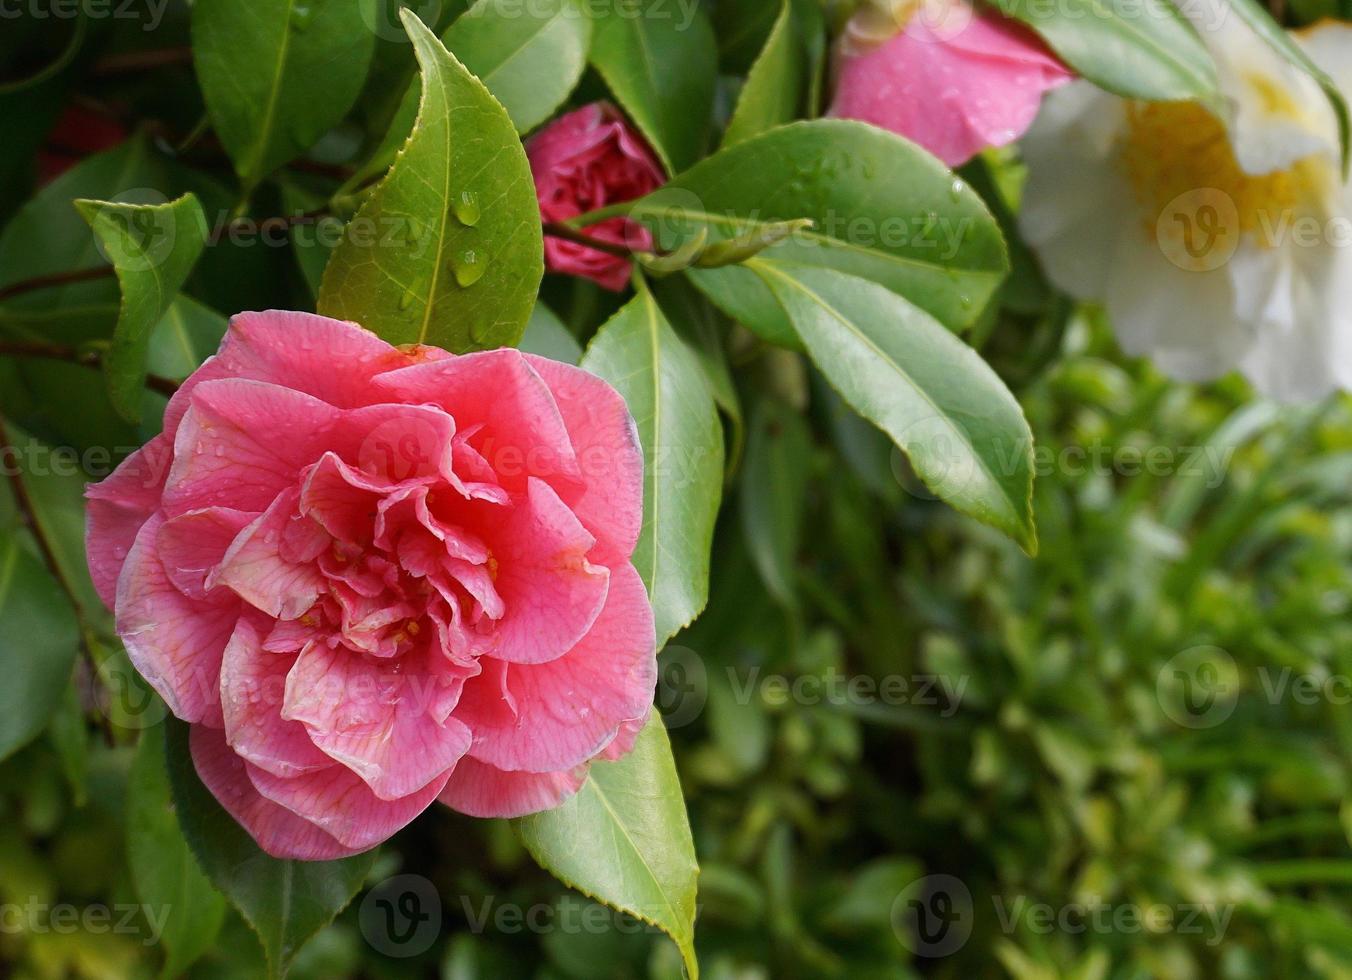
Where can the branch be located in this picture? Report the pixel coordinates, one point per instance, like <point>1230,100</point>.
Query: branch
<point>55,279</point>
<point>556,229</point>
<point>89,359</point>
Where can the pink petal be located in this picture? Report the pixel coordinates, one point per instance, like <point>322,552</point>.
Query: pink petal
<point>332,360</point>
<point>379,719</point>
<point>955,96</point>
<point>242,443</point>
<point>568,710</point>
<point>255,570</point>
<point>278,831</point>
<point>253,691</point>
<point>551,592</point>
<point>176,643</point>
<point>193,545</point>
<point>609,457</point>
<point>118,507</point>
<point>338,802</point>
<point>522,433</point>
<point>480,790</point>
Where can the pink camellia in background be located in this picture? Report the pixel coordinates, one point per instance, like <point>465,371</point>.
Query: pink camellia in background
<point>946,77</point>
<point>586,160</point>
<point>374,577</point>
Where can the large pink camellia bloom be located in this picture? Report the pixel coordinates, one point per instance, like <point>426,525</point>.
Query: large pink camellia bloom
<point>583,161</point>
<point>371,578</point>
<point>941,74</point>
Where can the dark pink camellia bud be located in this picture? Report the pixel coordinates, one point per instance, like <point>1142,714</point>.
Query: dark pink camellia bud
<point>944,75</point>
<point>586,160</point>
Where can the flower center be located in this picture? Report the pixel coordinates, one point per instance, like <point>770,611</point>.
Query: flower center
<point>1179,159</point>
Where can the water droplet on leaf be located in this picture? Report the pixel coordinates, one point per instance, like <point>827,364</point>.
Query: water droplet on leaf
<point>469,267</point>
<point>467,208</point>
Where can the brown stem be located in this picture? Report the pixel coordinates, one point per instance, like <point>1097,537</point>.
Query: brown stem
<point>556,229</point>
<point>130,61</point>
<point>29,515</point>
<point>89,359</point>
<point>55,279</point>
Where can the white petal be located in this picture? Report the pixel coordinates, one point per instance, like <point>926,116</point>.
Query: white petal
<point>1276,113</point>
<point>1075,199</point>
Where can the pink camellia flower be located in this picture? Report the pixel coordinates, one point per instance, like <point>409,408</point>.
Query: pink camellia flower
<point>944,76</point>
<point>586,160</point>
<point>373,577</point>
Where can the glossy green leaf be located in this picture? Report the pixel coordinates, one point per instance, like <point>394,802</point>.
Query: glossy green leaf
<point>624,840</point>
<point>1258,18</point>
<point>186,335</point>
<point>773,490</point>
<point>943,406</point>
<point>456,256</point>
<point>167,877</point>
<point>152,249</point>
<point>48,237</point>
<point>38,643</point>
<point>285,902</point>
<point>276,74</point>
<point>547,336</point>
<point>530,55</point>
<point>1141,50</point>
<point>660,378</point>
<point>660,61</point>
<point>884,210</point>
<point>774,86</point>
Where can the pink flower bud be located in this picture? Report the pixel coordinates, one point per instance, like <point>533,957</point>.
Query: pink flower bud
<point>943,75</point>
<point>586,160</point>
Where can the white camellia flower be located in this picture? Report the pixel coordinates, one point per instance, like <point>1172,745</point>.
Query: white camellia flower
<point>1214,242</point>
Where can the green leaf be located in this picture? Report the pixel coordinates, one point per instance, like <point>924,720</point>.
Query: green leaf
<point>774,86</point>
<point>1258,18</point>
<point>773,490</point>
<point>285,902</point>
<point>624,840</point>
<point>48,237</point>
<point>186,336</point>
<point>1140,50</point>
<point>660,61</point>
<point>547,336</point>
<point>530,56</point>
<point>663,383</point>
<point>152,248</point>
<point>457,256</point>
<point>884,210</point>
<point>38,642</point>
<point>939,401</point>
<point>276,74</point>
<point>167,878</point>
